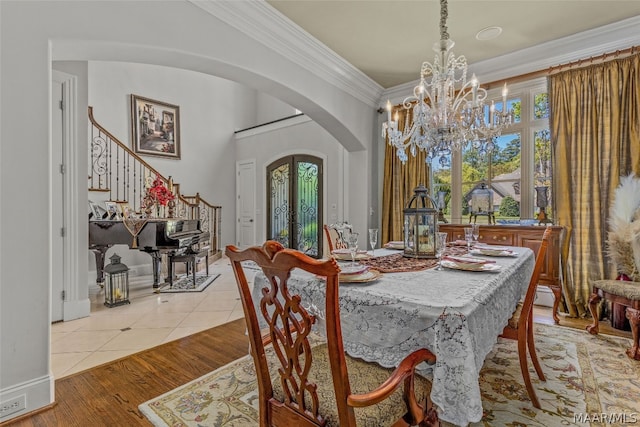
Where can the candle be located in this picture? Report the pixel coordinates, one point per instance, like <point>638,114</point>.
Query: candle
<point>474,89</point>
<point>505,91</point>
<point>491,110</point>
<point>388,110</point>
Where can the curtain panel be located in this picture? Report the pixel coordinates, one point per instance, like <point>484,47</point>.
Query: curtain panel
<point>399,182</point>
<point>595,134</point>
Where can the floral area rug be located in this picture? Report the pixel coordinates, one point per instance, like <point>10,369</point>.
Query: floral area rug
<point>590,382</point>
<point>185,283</point>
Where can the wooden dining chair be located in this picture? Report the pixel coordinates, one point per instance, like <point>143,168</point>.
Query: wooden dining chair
<point>337,234</point>
<point>318,384</point>
<point>520,326</point>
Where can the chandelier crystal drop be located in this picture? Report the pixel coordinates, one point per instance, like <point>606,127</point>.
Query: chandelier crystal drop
<point>445,118</point>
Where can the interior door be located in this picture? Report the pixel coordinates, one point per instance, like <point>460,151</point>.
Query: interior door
<point>57,201</point>
<point>246,204</point>
<point>294,203</point>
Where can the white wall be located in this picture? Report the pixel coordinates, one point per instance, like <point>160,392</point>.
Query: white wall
<point>270,108</point>
<point>86,31</point>
<point>295,136</point>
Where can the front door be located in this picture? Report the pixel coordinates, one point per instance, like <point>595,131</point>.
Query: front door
<point>294,203</point>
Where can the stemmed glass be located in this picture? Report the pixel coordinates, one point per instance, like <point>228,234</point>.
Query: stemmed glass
<point>468,236</point>
<point>373,239</point>
<point>352,241</point>
<point>475,231</point>
<point>441,245</point>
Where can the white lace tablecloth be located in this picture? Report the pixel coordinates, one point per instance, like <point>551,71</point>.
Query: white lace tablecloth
<point>458,315</point>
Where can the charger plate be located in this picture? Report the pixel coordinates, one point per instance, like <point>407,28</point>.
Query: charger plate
<point>347,257</point>
<point>367,276</point>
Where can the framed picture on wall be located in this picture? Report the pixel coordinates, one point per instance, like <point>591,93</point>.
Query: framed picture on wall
<point>155,128</point>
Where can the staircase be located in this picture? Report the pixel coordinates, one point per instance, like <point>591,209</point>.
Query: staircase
<point>115,169</point>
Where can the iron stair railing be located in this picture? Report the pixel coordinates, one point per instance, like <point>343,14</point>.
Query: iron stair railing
<point>115,169</point>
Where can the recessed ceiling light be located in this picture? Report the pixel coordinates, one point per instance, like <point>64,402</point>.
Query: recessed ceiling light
<point>489,33</point>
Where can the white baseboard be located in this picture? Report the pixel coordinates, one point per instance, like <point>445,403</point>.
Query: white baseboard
<point>544,297</point>
<point>38,393</point>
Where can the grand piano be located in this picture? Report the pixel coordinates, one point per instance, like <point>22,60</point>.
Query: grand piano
<point>157,237</point>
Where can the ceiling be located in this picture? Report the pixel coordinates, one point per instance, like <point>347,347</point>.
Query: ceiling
<point>389,39</point>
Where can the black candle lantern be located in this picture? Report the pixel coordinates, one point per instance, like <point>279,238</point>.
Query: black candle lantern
<point>116,289</point>
<point>420,225</point>
<point>482,203</point>
<point>542,201</point>
<point>442,204</point>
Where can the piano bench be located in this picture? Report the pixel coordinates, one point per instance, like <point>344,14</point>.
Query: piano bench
<point>191,260</point>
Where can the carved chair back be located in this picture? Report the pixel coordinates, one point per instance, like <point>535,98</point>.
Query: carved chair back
<point>287,396</point>
<point>337,235</point>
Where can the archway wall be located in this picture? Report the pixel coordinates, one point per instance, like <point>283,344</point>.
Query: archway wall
<point>176,34</point>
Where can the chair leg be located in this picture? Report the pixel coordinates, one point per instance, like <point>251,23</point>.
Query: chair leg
<point>170,271</point>
<point>595,298</point>
<point>634,319</point>
<point>532,349</point>
<point>522,355</point>
<point>193,270</point>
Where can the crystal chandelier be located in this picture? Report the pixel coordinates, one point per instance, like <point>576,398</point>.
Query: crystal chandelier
<point>446,119</point>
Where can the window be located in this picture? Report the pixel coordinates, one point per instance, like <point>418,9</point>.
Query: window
<point>519,162</point>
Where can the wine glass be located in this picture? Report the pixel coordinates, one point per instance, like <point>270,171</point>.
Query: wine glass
<point>352,242</point>
<point>441,245</point>
<point>468,236</point>
<point>475,231</point>
<point>373,239</point>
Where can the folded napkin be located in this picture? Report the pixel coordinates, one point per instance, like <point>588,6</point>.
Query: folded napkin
<point>394,244</point>
<point>347,251</point>
<point>459,243</point>
<point>467,260</point>
<point>492,251</point>
<point>491,247</point>
<point>350,270</point>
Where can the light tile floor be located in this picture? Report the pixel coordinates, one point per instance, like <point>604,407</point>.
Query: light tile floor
<point>150,320</point>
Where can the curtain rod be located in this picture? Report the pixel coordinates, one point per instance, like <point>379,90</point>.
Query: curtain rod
<point>567,66</point>
<point>554,69</point>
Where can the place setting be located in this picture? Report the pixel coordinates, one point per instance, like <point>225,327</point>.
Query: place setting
<point>468,263</point>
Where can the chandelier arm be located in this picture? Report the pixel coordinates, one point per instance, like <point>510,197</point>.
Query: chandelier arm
<point>444,119</point>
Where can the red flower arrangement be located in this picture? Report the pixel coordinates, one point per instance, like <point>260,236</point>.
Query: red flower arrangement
<point>160,192</point>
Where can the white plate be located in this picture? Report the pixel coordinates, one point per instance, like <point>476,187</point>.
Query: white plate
<point>368,276</point>
<point>491,247</point>
<point>492,252</point>
<point>470,267</point>
<point>348,269</point>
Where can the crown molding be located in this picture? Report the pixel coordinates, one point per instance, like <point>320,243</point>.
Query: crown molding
<point>597,41</point>
<point>266,25</point>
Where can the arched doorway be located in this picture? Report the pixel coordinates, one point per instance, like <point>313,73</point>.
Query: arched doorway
<point>294,203</point>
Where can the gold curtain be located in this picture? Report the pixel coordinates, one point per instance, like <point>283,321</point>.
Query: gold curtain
<point>595,128</point>
<point>399,182</point>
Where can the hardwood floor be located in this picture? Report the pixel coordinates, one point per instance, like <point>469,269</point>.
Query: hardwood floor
<point>109,395</point>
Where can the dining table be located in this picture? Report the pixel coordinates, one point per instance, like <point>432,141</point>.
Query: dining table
<point>456,314</point>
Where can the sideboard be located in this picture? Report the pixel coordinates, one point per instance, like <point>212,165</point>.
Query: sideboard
<point>523,236</point>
